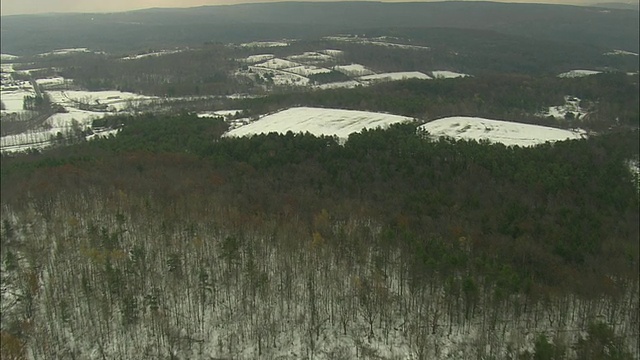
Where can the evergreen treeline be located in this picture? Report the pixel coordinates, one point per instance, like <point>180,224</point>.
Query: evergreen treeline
<point>169,241</point>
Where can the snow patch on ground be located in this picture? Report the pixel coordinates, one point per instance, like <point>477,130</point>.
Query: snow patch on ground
<point>318,121</point>
<point>7,68</point>
<point>218,113</point>
<point>620,52</point>
<point>7,57</point>
<point>65,51</point>
<point>311,56</point>
<point>252,59</point>
<point>578,73</point>
<point>496,131</point>
<point>392,76</point>
<point>263,44</point>
<point>354,70</point>
<point>444,74</point>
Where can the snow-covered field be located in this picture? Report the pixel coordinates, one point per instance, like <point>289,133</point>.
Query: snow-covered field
<point>112,100</point>
<point>307,70</point>
<point>444,74</point>
<point>310,56</point>
<point>7,68</point>
<point>13,97</point>
<point>395,76</point>
<point>496,131</point>
<point>354,70</point>
<point>318,121</point>
<point>578,73</point>
<point>281,77</point>
<point>252,59</point>
<point>278,64</point>
<point>51,82</point>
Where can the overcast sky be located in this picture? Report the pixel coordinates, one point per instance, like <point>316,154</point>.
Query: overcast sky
<point>12,7</point>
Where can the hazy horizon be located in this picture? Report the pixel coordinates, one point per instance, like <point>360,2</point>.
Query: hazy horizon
<point>20,7</point>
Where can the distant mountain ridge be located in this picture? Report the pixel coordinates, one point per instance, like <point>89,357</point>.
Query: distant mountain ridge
<point>244,22</point>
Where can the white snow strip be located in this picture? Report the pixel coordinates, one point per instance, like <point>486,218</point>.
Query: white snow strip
<point>311,56</point>
<point>496,131</point>
<point>151,54</point>
<point>395,76</point>
<point>265,44</point>
<point>578,73</point>
<point>318,121</point>
<point>339,85</point>
<point>65,51</point>
<point>620,52</point>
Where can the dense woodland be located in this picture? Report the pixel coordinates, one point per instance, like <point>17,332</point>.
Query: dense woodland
<point>172,241</point>
<point>180,246</point>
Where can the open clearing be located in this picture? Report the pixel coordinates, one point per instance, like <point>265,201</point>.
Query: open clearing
<point>496,131</point>
<point>318,121</point>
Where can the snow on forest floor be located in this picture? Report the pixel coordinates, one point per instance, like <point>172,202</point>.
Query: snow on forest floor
<point>318,121</point>
<point>497,131</point>
<point>570,108</point>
